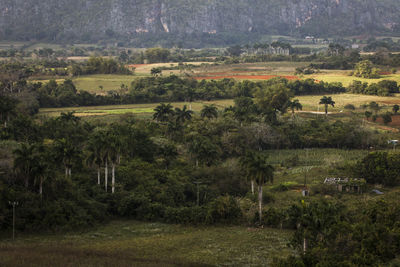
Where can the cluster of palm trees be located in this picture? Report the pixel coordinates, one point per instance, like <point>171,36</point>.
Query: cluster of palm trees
<point>166,113</point>
<point>32,164</point>
<point>105,147</point>
<point>258,171</point>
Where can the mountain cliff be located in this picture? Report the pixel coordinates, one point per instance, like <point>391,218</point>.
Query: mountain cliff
<point>91,19</point>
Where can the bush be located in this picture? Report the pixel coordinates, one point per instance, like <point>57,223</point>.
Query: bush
<point>280,188</point>
<point>186,215</point>
<point>380,168</point>
<point>268,198</point>
<point>350,107</point>
<point>273,217</point>
<point>324,189</point>
<point>224,209</point>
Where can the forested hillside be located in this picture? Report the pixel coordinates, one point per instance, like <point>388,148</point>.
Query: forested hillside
<point>201,19</point>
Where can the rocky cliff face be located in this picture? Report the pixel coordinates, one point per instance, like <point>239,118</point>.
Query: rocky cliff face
<point>49,18</point>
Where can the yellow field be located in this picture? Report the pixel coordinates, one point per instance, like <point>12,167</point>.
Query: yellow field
<point>311,103</point>
<point>345,79</point>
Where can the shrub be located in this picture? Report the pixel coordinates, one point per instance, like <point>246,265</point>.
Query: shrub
<point>186,215</point>
<point>224,209</point>
<point>350,107</point>
<point>273,217</point>
<point>268,198</point>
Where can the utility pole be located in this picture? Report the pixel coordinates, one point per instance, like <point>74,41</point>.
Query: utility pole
<point>198,192</point>
<point>13,204</point>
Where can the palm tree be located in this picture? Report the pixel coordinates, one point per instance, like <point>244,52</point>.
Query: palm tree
<point>163,112</point>
<point>326,101</point>
<point>66,152</point>
<point>183,114</point>
<point>262,172</point>
<point>114,150</point>
<point>396,109</point>
<point>209,111</point>
<point>7,107</point>
<point>295,105</point>
<point>41,168</point>
<point>94,156</point>
<point>190,94</point>
<point>69,116</point>
<point>245,163</point>
<point>23,161</point>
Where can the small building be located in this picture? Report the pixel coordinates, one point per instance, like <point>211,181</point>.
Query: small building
<point>355,185</point>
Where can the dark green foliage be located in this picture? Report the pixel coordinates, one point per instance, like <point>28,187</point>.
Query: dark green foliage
<point>310,87</point>
<point>350,107</point>
<point>382,88</point>
<point>224,209</point>
<point>336,238</point>
<point>99,65</point>
<point>365,69</point>
<point>387,118</point>
<point>380,168</point>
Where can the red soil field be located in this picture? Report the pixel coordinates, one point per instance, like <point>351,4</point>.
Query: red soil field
<point>246,77</point>
<point>136,65</point>
<point>385,73</point>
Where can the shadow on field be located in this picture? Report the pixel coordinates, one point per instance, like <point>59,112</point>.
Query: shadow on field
<point>65,256</point>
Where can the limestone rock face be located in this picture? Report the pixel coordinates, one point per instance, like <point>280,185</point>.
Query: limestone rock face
<point>77,18</point>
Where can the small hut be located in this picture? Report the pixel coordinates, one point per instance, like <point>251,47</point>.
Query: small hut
<point>355,185</point>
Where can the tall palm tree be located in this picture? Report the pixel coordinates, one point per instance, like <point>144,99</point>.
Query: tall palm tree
<point>209,111</point>
<point>41,169</point>
<point>262,173</point>
<point>183,114</point>
<point>93,157</point>
<point>66,152</point>
<point>114,151</point>
<point>162,112</point>
<point>326,101</point>
<point>245,164</point>
<point>191,95</point>
<point>23,162</point>
<point>295,105</point>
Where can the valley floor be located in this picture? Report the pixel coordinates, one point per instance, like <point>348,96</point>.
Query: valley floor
<point>133,243</point>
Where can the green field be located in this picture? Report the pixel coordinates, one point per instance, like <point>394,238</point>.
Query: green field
<point>92,83</point>
<point>134,108</point>
<point>310,103</point>
<point>132,243</point>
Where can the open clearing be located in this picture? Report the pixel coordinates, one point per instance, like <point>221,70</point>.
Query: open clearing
<point>132,243</point>
<point>310,103</point>
<point>345,79</point>
<point>102,83</point>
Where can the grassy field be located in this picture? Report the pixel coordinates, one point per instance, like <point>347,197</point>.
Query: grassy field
<point>310,103</point>
<point>345,79</point>
<point>92,83</point>
<point>132,243</point>
<point>134,108</point>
